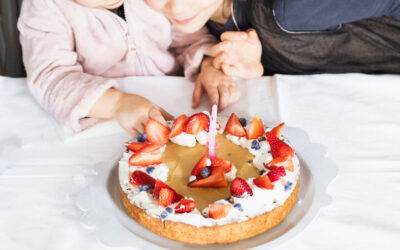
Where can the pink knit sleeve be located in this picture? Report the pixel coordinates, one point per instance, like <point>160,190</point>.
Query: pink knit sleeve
<point>191,48</point>
<point>54,76</point>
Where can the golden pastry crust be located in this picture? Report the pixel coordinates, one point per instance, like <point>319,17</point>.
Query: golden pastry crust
<point>210,235</point>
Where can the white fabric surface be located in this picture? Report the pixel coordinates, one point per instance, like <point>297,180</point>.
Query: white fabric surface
<point>43,166</point>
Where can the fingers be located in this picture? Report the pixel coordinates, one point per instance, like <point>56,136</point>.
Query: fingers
<point>219,60</point>
<point>213,94</point>
<point>197,93</point>
<point>155,114</point>
<point>234,36</point>
<point>165,114</point>
<point>224,95</point>
<point>219,47</point>
<point>252,34</point>
<point>230,70</point>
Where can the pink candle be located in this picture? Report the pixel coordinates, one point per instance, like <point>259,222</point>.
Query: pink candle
<point>212,132</point>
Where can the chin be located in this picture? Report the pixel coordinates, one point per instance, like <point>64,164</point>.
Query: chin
<point>188,28</point>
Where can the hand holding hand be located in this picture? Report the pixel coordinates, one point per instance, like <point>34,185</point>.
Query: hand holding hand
<point>239,54</point>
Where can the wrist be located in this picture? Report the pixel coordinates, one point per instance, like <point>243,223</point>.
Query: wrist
<point>107,105</point>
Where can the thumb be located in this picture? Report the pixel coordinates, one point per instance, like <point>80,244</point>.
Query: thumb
<point>252,35</point>
<point>197,93</point>
<point>155,114</point>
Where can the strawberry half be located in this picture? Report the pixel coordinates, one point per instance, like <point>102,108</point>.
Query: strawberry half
<point>234,127</point>
<point>226,165</point>
<point>216,179</point>
<point>240,188</point>
<point>178,126</point>
<point>148,155</point>
<point>160,185</point>
<point>256,128</point>
<point>185,206</point>
<point>276,173</point>
<point>166,197</point>
<point>156,132</point>
<point>285,162</point>
<point>278,147</point>
<point>218,210</point>
<point>202,163</point>
<point>277,131</point>
<point>136,146</point>
<point>263,182</point>
<point>197,123</point>
<point>141,178</point>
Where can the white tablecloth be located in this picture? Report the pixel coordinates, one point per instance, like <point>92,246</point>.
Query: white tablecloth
<point>357,117</point>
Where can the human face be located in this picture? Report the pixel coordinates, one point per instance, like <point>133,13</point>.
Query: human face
<point>187,15</point>
<point>107,4</point>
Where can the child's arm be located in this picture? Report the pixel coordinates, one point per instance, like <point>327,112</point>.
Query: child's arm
<point>57,80</point>
<point>239,54</point>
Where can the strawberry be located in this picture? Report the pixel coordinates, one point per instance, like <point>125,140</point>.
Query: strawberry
<point>278,147</point>
<point>277,131</point>
<point>148,155</point>
<point>263,182</point>
<point>285,162</point>
<point>234,127</point>
<point>160,185</point>
<point>141,178</point>
<point>240,188</point>
<point>226,165</point>
<point>256,128</point>
<point>166,197</point>
<point>178,126</point>
<point>218,210</point>
<point>197,123</point>
<point>185,206</point>
<point>135,146</point>
<point>216,179</point>
<point>276,173</point>
<point>202,163</point>
<point>156,132</point>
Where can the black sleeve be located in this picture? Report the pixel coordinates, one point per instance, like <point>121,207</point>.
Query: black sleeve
<point>300,15</point>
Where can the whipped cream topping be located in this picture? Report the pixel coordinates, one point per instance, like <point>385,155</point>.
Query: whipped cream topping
<point>262,201</point>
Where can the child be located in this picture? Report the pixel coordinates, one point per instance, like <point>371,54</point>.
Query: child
<point>73,48</point>
<point>295,36</point>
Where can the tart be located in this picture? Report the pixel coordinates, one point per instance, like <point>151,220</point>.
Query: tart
<point>170,185</point>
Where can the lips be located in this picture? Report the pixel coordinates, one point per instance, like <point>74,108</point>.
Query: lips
<point>185,21</point>
<point>115,4</point>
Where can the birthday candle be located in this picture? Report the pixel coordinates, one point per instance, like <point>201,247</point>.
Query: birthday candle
<point>212,132</point>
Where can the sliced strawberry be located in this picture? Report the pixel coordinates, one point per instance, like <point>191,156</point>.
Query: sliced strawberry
<point>226,165</point>
<point>148,155</point>
<point>136,146</point>
<point>159,185</point>
<point>256,128</point>
<point>197,123</point>
<point>185,206</point>
<point>234,127</point>
<point>285,162</point>
<point>277,131</point>
<point>141,178</point>
<point>156,132</point>
<point>276,173</point>
<point>178,126</point>
<point>278,147</point>
<point>202,163</point>
<point>166,197</point>
<point>216,179</point>
<point>218,210</point>
<point>240,188</point>
<point>263,182</point>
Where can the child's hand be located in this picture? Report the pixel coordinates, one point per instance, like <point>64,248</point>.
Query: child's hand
<point>220,88</point>
<point>131,111</point>
<point>239,54</point>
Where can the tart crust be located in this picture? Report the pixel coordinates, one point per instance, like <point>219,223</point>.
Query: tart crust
<point>216,234</point>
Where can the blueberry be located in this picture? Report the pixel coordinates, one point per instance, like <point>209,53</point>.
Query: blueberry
<point>269,151</point>
<point>164,215</point>
<point>149,170</point>
<point>243,121</point>
<point>238,206</point>
<point>205,172</point>
<point>144,187</point>
<point>288,185</point>
<point>263,138</point>
<point>168,209</point>
<point>142,138</point>
<point>255,145</point>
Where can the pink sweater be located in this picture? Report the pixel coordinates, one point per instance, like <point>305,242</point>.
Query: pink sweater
<point>71,53</point>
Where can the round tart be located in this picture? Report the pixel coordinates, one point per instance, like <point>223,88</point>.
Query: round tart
<point>170,185</point>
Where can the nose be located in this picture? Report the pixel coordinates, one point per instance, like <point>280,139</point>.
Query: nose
<point>179,7</point>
